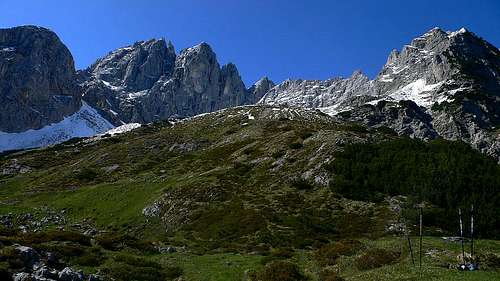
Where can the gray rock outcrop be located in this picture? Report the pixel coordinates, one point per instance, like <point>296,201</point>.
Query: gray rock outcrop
<point>29,256</point>
<point>140,83</point>
<point>37,79</point>
<point>147,82</point>
<point>442,84</point>
<point>260,88</point>
<point>451,78</point>
<point>39,267</point>
<point>68,274</point>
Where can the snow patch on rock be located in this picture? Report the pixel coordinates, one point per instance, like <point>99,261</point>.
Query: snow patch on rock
<point>123,129</point>
<point>85,122</point>
<point>418,91</point>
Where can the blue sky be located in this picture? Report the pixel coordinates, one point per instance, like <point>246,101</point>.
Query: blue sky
<point>281,39</point>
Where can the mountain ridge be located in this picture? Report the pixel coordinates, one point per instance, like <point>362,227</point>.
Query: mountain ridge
<point>453,79</point>
<point>139,83</point>
<point>441,84</point>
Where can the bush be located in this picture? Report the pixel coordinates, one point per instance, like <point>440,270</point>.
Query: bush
<point>387,131</point>
<point>302,184</point>
<point>125,272</point>
<point>278,154</point>
<point>305,134</point>
<point>136,261</point>
<point>280,271</point>
<point>227,222</point>
<point>295,145</point>
<point>353,127</point>
<point>53,235</point>
<point>329,253</point>
<point>376,258</point>
<point>172,272</point>
<point>62,251</point>
<point>87,174</point>
<point>114,242</point>
<point>126,267</point>
<point>5,274</point>
<point>231,131</point>
<point>345,114</point>
<point>7,231</point>
<point>242,168</point>
<point>490,260</point>
<point>329,275</point>
<point>282,252</point>
<point>278,254</point>
<point>90,257</point>
<point>10,259</point>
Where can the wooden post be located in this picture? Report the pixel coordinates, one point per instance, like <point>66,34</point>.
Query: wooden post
<point>461,235</point>
<point>420,246</point>
<point>472,231</point>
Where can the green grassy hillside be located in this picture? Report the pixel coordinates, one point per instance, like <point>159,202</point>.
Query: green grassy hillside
<point>248,193</point>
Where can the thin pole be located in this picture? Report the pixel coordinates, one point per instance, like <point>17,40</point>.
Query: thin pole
<point>411,249</point>
<point>472,231</point>
<point>461,235</point>
<point>420,246</point>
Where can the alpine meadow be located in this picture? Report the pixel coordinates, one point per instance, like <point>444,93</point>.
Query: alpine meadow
<point>156,164</point>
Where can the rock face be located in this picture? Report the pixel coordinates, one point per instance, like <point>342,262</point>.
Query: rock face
<point>28,255</point>
<point>147,81</point>
<point>36,267</point>
<point>443,84</point>
<point>141,83</point>
<point>68,274</point>
<point>260,88</point>
<point>37,79</point>
<point>137,67</point>
<point>329,95</point>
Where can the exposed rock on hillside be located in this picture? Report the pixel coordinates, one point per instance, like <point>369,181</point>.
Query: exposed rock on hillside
<point>147,82</point>
<point>37,79</point>
<point>451,78</point>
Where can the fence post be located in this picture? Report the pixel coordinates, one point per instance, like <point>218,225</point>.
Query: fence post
<point>462,236</point>
<point>420,246</point>
<point>472,231</point>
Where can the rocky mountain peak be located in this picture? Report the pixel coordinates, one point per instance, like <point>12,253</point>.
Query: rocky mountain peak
<point>232,87</point>
<point>136,67</point>
<point>181,85</point>
<point>359,75</point>
<point>427,62</point>
<point>230,69</point>
<point>197,68</point>
<point>476,59</point>
<point>37,79</point>
<point>442,84</point>
<point>462,30</point>
<point>202,50</point>
<point>434,32</point>
<point>263,81</point>
<point>393,56</point>
<point>261,87</point>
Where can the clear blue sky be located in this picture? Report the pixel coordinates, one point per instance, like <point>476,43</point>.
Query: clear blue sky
<point>282,39</point>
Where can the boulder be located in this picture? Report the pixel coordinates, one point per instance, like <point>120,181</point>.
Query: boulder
<point>94,277</point>
<point>68,274</point>
<point>45,272</point>
<point>22,276</point>
<point>29,256</point>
